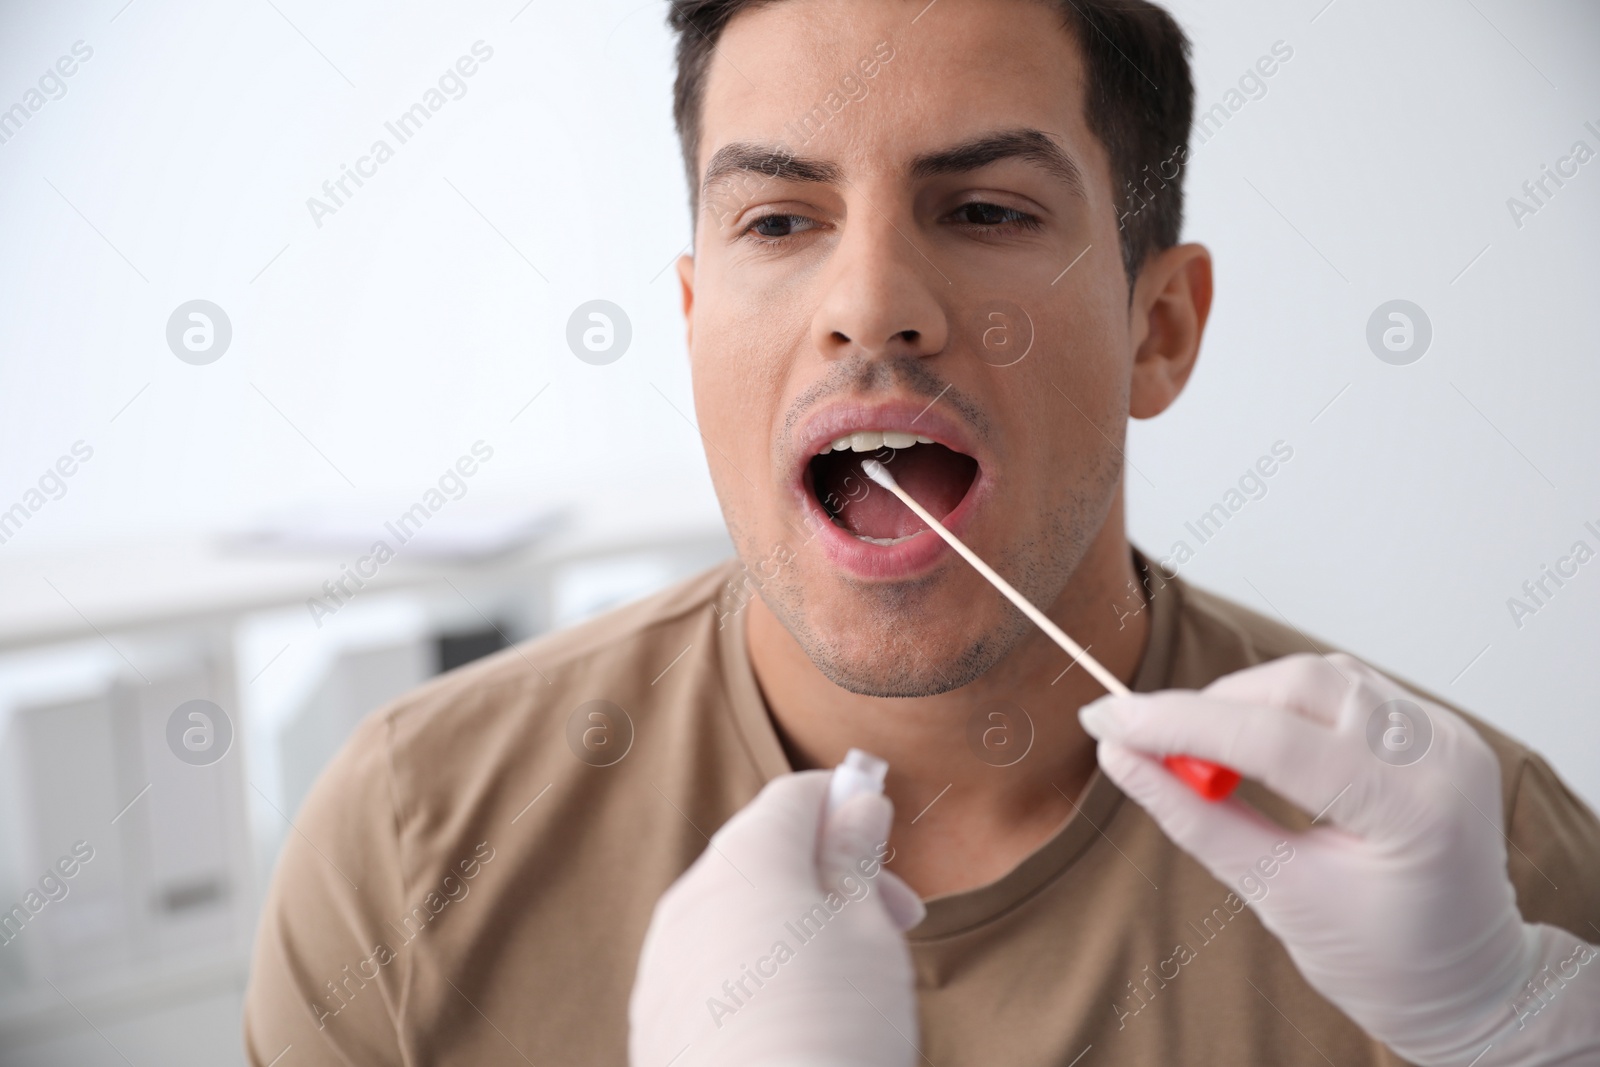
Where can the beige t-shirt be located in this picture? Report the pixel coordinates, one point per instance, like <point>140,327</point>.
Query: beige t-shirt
<point>463,887</point>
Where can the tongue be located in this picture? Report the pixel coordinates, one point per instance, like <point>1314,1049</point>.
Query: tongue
<point>934,475</point>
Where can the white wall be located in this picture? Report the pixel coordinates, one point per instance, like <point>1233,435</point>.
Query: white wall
<point>422,316</point>
<point>1423,498</point>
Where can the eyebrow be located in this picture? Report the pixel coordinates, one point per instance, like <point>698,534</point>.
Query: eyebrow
<point>1027,144</point>
<point>776,163</point>
<point>772,162</point>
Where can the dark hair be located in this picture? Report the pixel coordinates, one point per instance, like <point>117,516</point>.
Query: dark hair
<point>1139,100</point>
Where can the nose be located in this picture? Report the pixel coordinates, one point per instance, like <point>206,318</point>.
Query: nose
<point>881,299</point>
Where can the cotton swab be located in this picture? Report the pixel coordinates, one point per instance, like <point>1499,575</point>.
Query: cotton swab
<point>880,474</point>
<point>1210,780</point>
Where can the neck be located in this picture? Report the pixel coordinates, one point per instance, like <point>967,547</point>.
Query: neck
<point>962,820</point>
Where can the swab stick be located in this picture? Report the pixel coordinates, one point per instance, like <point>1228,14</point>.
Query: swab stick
<point>1210,780</point>
<point>880,474</point>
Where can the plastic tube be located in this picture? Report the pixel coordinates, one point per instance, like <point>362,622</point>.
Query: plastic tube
<point>860,772</point>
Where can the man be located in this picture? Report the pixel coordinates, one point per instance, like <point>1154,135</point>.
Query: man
<point>951,232</point>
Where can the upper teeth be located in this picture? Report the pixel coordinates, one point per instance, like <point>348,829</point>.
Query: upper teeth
<point>872,440</point>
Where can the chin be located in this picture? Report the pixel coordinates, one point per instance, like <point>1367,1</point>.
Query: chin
<point>882,656</point>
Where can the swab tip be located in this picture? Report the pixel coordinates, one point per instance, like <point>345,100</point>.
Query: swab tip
<point>878,473</point>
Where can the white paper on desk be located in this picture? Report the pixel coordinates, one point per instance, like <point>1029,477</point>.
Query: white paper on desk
<point>460,530</point>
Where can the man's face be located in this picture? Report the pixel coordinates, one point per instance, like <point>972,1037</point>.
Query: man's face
<point>908,234</point>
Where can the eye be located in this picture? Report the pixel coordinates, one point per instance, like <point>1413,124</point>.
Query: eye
<point>775,227</point>
<point>993,217</point>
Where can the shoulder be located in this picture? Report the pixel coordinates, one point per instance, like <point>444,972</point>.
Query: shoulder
<point>1554,856</point>
<point>498,706</point>
<point>427,788</point>
<point>460,741</point>
<point>1216,636</point>
<point>528,675</point>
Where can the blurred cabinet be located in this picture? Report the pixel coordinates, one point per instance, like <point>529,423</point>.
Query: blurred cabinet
<point>158,846</point>
<point>174,846</point>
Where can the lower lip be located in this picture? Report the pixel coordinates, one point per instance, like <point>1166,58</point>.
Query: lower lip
<point>909,558</point>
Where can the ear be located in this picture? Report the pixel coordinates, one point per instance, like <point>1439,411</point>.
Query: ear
<point>1171,300</point>
<point>686,286</point>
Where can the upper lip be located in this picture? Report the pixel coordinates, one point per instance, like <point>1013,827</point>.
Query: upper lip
<point>844,417</point>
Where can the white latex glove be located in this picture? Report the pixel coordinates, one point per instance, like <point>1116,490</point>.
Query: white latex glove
<point>1396,906</point>
<point>751,961</point>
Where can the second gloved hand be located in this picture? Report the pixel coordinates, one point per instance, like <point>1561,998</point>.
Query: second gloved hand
<point>1397,905</point>
<point>782,944</point>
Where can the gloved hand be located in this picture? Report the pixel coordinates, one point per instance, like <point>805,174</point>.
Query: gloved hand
<point>1396,906</point>
<point>782,944</point>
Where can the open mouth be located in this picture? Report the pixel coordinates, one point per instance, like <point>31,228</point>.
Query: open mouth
<point>936,475</point>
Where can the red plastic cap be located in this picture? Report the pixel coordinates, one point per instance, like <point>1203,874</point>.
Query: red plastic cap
<point>1211,780</point>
